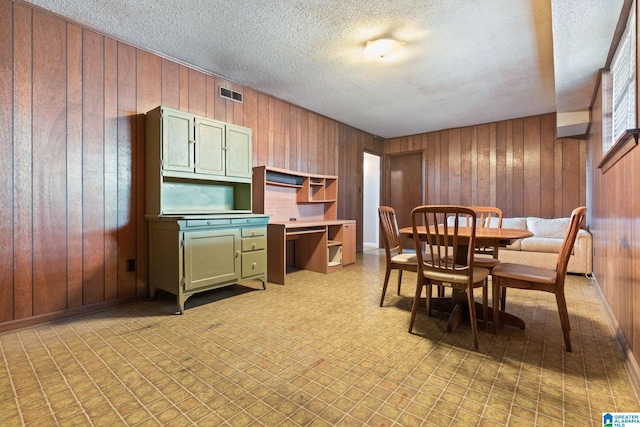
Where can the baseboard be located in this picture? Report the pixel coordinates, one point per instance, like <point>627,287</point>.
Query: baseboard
<point>43,319</point>
<point>626,354</point>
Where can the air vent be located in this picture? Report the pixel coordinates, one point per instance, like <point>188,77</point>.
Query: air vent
<point>230,94</point>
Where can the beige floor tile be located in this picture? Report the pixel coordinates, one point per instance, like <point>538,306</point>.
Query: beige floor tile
<point>319,352</point>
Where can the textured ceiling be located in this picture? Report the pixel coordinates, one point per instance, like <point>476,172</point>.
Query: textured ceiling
<point>464,62</point>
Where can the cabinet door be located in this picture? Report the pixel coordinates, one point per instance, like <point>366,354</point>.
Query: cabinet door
<point>210,158</point>
<point>349,243</point>
<point>238,151</point>
<point>177,141</point>
<point>211,256</point>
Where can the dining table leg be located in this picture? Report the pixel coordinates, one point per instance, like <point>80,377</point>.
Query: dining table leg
<point>456,306</point>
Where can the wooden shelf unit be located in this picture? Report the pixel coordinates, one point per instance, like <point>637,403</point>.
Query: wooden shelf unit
<point>286,194</point>
<point>303,209</point>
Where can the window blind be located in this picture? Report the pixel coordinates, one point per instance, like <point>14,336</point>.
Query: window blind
<point>623,71</point>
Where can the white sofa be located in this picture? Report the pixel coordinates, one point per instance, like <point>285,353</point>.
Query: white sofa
<point>541,250</point>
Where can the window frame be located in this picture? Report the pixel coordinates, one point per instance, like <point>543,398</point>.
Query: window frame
<point>614,149</point>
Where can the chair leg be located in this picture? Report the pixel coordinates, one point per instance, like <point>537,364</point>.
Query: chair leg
<point>384,286</point>
<point>399,280</point>
<point>428,299</point>
<point>564,319</point>
<point>485,305</point>
<point>503,299</point>
<point>416,303</point>
<point>495,284</point>
<point>472,317</point>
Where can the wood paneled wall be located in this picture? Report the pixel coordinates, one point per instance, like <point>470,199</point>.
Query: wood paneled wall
<point>72,157</point>
<point>517,165</point>
<point>614,213</point>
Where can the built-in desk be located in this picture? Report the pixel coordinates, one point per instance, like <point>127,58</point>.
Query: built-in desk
<point>304,230</point>
<point>321,246</point>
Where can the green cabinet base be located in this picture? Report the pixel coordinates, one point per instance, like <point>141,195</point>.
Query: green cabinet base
<point>188,255</point>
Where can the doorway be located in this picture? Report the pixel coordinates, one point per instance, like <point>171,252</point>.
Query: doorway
<point>404,187</point>
<point>370,202</point>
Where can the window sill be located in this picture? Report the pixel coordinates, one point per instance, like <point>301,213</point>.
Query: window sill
<point>623,145</point>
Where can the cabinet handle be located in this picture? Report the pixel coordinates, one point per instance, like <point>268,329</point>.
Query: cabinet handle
<point>253,246</point>
<point>253,266</point>
<point>237,254</point>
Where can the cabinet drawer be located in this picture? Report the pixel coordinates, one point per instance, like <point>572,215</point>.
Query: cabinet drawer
<point>258,220</point>
<point>207,222</point>
<point>254,231</point>
<point>254,263</point>
<point>254,243</point>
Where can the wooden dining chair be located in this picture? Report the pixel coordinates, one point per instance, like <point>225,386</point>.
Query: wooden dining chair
<point>487,256</point>
<point>508,275</point>
<point>437,265</point>
<point>396,258</point>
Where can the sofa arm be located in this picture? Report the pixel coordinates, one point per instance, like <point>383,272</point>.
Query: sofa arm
<point>583,251</point>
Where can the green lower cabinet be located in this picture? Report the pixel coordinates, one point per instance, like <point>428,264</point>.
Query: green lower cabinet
<point>190,256</point>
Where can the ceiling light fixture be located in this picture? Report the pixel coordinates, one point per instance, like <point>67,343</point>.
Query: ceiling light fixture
<point>383,50</point>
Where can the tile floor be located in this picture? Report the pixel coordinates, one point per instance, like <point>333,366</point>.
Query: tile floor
<point>316,352</point>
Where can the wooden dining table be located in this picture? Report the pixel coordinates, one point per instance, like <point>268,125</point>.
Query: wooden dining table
<point>457,303</point>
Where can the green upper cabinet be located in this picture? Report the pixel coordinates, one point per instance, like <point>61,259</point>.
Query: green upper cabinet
<point>198,147</point>
<point>210,147</point>
<point>238,151</point>
<point>196,165</point>
<point>177,141</point>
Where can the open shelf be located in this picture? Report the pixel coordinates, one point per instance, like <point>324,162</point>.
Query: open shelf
<point>270,185</point>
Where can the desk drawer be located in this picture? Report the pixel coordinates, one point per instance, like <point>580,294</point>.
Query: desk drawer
<point>254,263</point>
<point>254,231</point>
<point>254,243</point>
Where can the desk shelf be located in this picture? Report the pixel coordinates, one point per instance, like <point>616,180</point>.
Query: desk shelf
<point>303,229</point>
<point>281,192</point>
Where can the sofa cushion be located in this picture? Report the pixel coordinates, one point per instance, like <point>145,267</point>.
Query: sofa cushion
<point>542,227</point>
<point>541,244</point>
<point>518,224</point>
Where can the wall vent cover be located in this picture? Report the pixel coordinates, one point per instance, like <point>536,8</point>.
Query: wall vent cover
<point>230,94</point>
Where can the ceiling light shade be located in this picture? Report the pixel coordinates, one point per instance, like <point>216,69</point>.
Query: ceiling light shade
<point>383,50</point>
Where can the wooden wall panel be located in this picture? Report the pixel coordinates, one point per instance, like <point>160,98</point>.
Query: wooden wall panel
<point>531,166</point>
<point>49,164</point>
<point>75,236</point>
<point>548,160</point>
<point>614,221</point>
<point>22,164</point>
<point>127,132</point>
<point>197,92</point>
<point>148,96</point>
<point>170,95</point>
<point>518,170</point>
<point>92,163</point>
<point>73,146</point>
<point>111,284</point>
<point>517,165</point>
<point>6,161</point>
<point>502,163</point>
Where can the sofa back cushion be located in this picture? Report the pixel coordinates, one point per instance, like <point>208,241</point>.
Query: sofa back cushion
<point>518,224</point>
<point>555,228</point>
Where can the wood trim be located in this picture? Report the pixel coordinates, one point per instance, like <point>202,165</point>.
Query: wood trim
<point>67,314</point>
<point>623,145</point>
<point>626,354</point>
